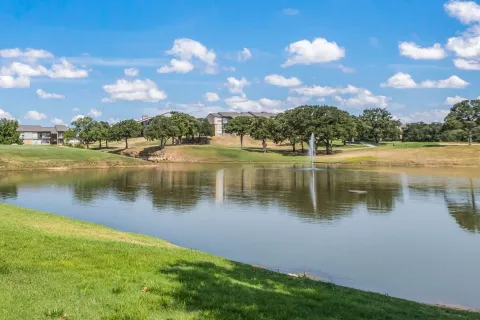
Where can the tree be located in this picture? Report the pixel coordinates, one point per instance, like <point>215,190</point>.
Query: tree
<point>161,128</point>
<point>127,129</point>
<point>186,125</point>
<point>423,132</point>
<point>378,123</point>
<point>204,128</point>
<point>328,124</point>
<point>260,129</point>
<point>86,129</point>
<point>240,126</point>
<point>466,114</point>
<point>69,135</point>
<point>351,131</point>
<point>103,129</point>
<point>8,132</point>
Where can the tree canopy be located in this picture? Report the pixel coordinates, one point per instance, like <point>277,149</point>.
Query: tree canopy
<point>125,130</point>
<point>8,132</point>
<point>378,124</point>
<point>241,126</point>
<point>464,115</point>
<point>87,130</point>
<point>161,128</point>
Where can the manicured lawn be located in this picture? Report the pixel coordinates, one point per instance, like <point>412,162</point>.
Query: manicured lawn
<point>57,268</point>
<point>57,156</point>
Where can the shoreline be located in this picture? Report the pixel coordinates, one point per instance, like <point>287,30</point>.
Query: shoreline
<point>67,236</point>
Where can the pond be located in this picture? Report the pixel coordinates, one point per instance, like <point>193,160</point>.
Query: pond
<point>414,234</point>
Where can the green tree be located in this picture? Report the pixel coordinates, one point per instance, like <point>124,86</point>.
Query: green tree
<point>378,124</point>
<point>467,115</point>
<point>160,128</point>
<point>423,132</point>
<point>69,135</point>
<point>204,128</point>
<point>261,129</point>
<point>8,132</point>
<point>328,123</point>
<point>186,125</point>
<point>240,126</point>
<point>125,130</point>
<point>351,131</point>
<point>87,130</point>
<point>103,129</point>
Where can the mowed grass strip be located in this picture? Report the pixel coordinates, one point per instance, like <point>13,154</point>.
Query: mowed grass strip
<point>53,267</point>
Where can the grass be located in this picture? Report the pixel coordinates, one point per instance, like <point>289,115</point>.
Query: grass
<point>22,157</point>
<point>53,267</point>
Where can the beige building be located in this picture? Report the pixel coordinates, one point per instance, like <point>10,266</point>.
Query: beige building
<point>220,120</point>
<point>38,135</point>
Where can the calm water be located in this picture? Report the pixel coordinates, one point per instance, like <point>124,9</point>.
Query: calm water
<point>413,235</point>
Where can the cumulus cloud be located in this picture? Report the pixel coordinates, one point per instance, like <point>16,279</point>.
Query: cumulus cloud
<point>137,90</point>
<point>244,55</point>
<point>242,103</point>
<point>178,66</point>
<point>466,64</point>
<point>189,49</point>
<point>318,51</point>
<point>452,100</point>
<point>466,11</point>
<point>414,51</point>
<point>66,70</point>
<point>402,80</point>
<point>235,85</point>
<point>44,95</point>
<point>346,69</point>
<point>57,121</point>
<point>28,54</point>
<point>291,11</point>
<point>467,44</point>
<point>94,113</point>
<point>78,116</point>
<point>131,72</point>
<point>361,99</point>
<point>35,115</point>
<point>5,115</point>
<point>14,82</point>
<point>281,81</point>
<point>322,91</point>
<point>212,96</point>
<point>436,115</point>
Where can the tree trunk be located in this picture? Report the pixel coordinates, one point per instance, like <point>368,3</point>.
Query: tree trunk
<point>469,137</point>
<point>88,145</point>
<point>241,141</point>
<point>126,143</point>
<point>302,145</point>
<point>173,141</point>
<point>179,140</point>
<point>345,142</point>
<point>198,138</point>
<point>100,143</point>
<point>328,146</point>
<point>264,145</point>
<point>293,146</point>
<point>106,144</point>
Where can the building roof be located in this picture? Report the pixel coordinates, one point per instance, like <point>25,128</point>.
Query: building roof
<point>35,128</point>
<point>215,115</point>
<point>234,114</point>
<point>263,114</point>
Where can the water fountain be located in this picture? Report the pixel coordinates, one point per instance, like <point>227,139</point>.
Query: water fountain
<point>311,149</point>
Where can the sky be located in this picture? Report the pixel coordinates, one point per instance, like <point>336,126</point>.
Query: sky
<point>116,60</point>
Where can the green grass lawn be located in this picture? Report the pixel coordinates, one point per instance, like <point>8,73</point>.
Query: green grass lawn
<point>53,267</point>
<point>56,156</point>
<point>408,145</point>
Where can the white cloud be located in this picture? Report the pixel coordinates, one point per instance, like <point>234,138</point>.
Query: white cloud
<point>321,99</point>
<point>178,66</point>
<point>229,69</point>
<point>78,116</point>
<point>57,121</point>
<point>242,103</point>
<point>131,72</point>
<point>319,91</point>
<point>5,115</point>
<point>436,115</point>
<point>402,80</point>
<point>137,90</point>
<point>66,70</point>
<point>187,49</point>
<point>466,64</point>
<point>106,100</point>
<point>363,98</point>
<point>346,69</point>
<point>412,50</point>
<point>235,85</point>
<point>94,113</point>
<point>281,81</point>
<point>44,95</point>
<point>317,51</point>
<point>28,54</point>
<point>467,45</point>
<point>452,100</point>
<point>291,11</point>
<point>35,115</point>
<point>244,55</point>
<point>465,11</point>
<point>24,70</point>
<point>211,96</point>
<point>269,103</point>
<point>75,109</point>
<point>14,82</point>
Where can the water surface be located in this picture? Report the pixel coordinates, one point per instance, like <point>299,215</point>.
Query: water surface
<point>414,235</point>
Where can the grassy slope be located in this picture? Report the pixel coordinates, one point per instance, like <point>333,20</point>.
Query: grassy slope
<point>52,266</point>
<point>12,157</point>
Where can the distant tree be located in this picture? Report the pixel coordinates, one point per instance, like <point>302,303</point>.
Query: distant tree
<point>8,132</point>
<point>261,129</point>
<point>422,132</point>
<point>328,124</point>
<point>160,128</point>
<point>87,130</point>
<point>69,135</point>
<point>351,131</point>
<point>378,124</point>
<point>185,123</point>
<point>240,126</point>
<point>125,130</point>
<point>204,128</point>
<point>278,132</point>
<point>103,129</point>
<point>465,114</point>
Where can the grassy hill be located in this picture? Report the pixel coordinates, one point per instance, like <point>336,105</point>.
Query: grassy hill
<point>53,267</point>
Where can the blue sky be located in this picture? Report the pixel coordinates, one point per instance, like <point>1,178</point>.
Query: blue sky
<point>65,59</point>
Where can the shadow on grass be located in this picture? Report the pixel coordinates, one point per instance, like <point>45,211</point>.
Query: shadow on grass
<point>289,152</point>
<point>243,292</point>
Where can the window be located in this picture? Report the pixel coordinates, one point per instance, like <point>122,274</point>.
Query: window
<point>219,120</point>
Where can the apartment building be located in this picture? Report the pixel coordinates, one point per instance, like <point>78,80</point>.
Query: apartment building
<point>219,120</point>
<point>38,135</point>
